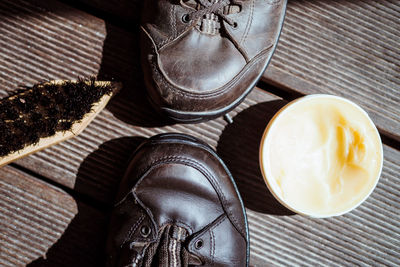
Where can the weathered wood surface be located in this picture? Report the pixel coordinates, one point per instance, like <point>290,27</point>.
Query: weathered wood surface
<point>82,243</point>
<point>125,11</point>
<point>33,216</point>
<point>367,236</point>
<point>128,114</point>
<point>48,40</point>
<point>341,47</point>
<point>94,162</point>
<point>346,48</point>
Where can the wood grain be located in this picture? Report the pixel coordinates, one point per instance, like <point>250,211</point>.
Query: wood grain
<point>127,11</point>
<point>44,41</point>
<point>346,48</point>
<point>363,237</point>
<point>82,243</point>
<point>128,115</point>
<point>48,40</point>
<point>93,162</point>
<point>367,236</point>
<point>60,136</point>
<point>33,216</point>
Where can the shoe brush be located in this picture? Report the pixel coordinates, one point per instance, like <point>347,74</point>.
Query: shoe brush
<point>45,114</point>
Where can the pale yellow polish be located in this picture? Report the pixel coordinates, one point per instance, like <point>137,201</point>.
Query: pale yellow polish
<point>321,156</point>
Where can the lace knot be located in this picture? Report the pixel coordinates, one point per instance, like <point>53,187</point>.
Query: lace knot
<point>209,9</point>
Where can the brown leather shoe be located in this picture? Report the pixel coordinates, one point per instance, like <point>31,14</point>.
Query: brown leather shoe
<point>202,57</point>
<point>178,206</point>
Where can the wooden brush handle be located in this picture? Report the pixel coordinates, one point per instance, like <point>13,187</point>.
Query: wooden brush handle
<point>60,136</point>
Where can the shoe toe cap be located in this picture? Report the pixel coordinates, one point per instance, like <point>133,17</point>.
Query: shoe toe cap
<point>175,192</point>
<point>199,63</point>
<point>183,180</point>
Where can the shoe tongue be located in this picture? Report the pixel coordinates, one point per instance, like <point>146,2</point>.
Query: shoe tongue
<point>229,9</point>
<point>194,260</point>
<point>190,3</point>
<point>195,4</point>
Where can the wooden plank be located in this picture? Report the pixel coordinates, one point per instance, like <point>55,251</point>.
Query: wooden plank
<point>33,216</point>
<point>127,11</point>
<point>129,114</point>
<point>367,236</point>
<point>92,163</point>
<point>346,48</point>
<point>38,43</point>
<point>83,242</point>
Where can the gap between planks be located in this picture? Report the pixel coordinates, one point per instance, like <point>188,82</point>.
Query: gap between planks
<point>282,90</point>
<point>290,94</point>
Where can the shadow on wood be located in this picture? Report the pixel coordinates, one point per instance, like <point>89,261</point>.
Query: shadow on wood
<point>121,62</point>
<point>83,242</point>
<point>118,11</point>
<point>105,167</point>
<point>239,148</point>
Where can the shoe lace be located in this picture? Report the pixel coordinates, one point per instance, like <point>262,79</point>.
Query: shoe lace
<point>211,7</point>
<point>169,249</point>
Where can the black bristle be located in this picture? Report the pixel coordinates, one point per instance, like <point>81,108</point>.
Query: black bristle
<point>39,126</point>
<point>20,103</point>
<point>43,109</point>
<point>45,101</point>
<point>51,126</point>
<point>58,97</point>
<point>11,114</point>
<point>53,111</point>
<point>33,137</point>
<point>35,116</point>
<point>20,125</point>
<point>65,126</point>
<point>35,96</point>
<point>4,130</point>
<point>4,150</point>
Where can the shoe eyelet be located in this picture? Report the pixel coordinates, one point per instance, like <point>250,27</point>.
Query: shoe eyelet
<point>132,246</point>
<point>198,244</point>
<point>145,231</point>
<point>235,25</point>
<point>186,18</point>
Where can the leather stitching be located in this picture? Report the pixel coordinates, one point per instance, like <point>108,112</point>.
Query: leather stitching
<point>173,20</point>
<point>204,171</point>
<point>220,92</point>
<point>170,38</point>
<point>218,223</point>
<point>174,37</point>
<point>153,43</point>
<point>237,44</point>
<point>210,95</point>
<point>190,163</point>
<point>213,239</point>
<point>212,247</point>
<point>248,23</point>
<point>274,2</point>
<point>133,229</point>
<point>202,233</point>
<point>160,46</point>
